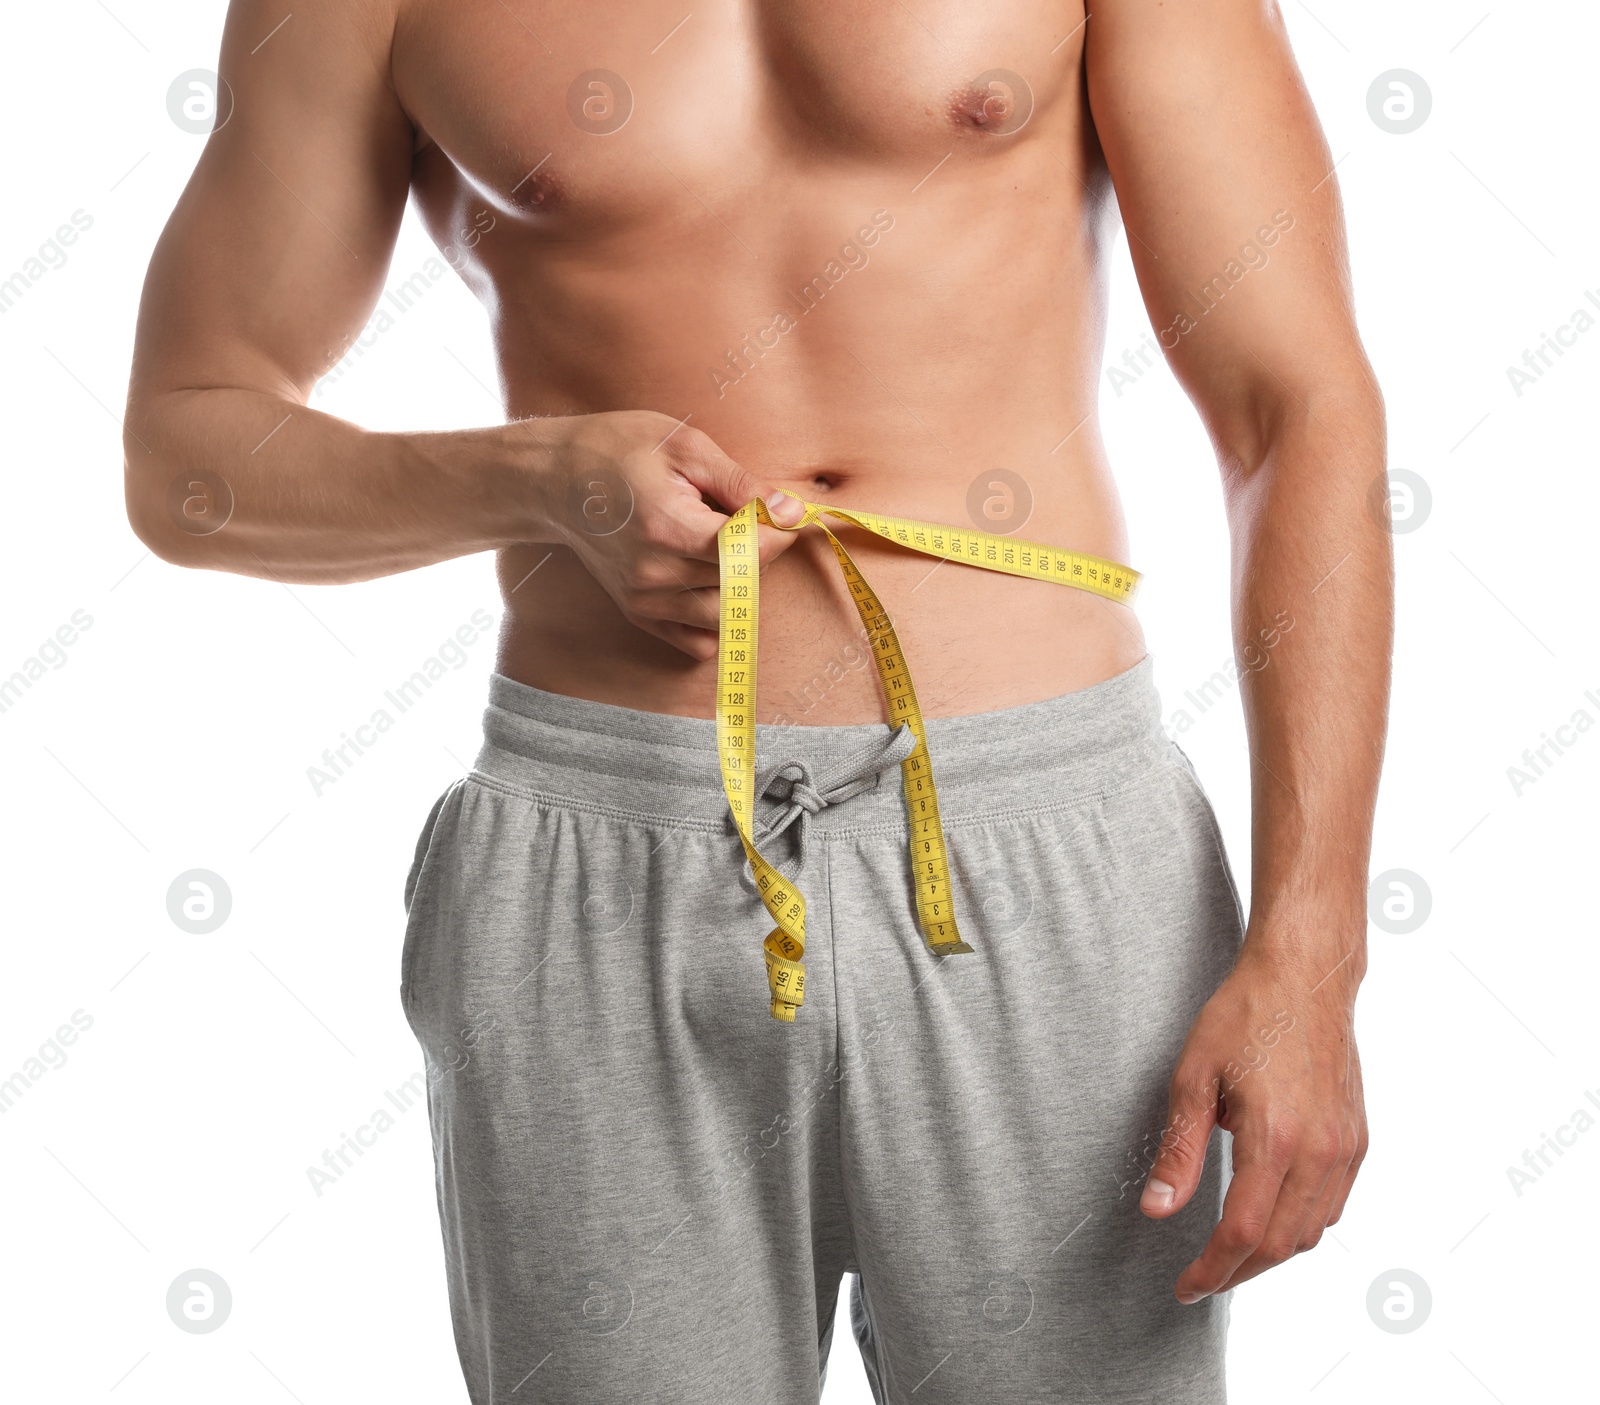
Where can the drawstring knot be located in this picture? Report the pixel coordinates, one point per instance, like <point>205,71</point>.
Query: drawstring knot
<point>802,795</point>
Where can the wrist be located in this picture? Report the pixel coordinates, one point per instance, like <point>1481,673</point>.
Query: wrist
<point>1321,957</point>
<point>527,483</point>
<point>547,470</point>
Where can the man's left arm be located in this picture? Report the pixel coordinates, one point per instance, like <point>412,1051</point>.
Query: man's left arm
<point>1237,237</point>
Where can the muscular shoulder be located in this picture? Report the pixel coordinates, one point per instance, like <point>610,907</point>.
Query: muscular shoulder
<point>325,62</point>
<point>322,36</point>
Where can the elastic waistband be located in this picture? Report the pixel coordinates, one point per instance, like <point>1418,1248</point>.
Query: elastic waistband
<point>655,766</point>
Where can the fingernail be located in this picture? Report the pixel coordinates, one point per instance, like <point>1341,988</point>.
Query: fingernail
<point>784,507</point>
<point>1157,1196</point>
<point>1189,1298</point>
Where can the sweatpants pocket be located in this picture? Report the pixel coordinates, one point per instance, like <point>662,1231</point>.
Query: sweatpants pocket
<point>425,864</point>
<point>1192,777</point>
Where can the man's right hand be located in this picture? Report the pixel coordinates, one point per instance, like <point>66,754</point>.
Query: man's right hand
<point>639,498</point>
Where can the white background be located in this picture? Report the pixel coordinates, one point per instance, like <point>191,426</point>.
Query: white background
<point>177,732</point>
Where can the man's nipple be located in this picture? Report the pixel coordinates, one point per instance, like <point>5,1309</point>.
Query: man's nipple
<point>538,191</point>
<point>998,102</point>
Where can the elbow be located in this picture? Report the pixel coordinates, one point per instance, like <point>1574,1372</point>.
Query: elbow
<point>171,509</point>
<point>1349,390</point>
<point>142,499</point>
<point>1338,414</point>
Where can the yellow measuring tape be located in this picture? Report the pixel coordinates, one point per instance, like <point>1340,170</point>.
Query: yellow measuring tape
<point>738,560</point>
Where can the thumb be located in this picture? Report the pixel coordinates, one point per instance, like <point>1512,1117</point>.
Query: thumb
<point>784,508</point>
<point>731,486</point>
<point>1175,1175</point>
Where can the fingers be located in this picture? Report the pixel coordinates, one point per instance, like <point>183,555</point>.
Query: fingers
<point>1299,1134</point>
<point>657,555</point>
<point>698,541</point>
<point>725,482</point>
<point>669,596</point>
<point>784,508</point>
<point>696,608</point>
<point>678,590</point>
<point>684,573</point>
<point>698,644</point>
<point>698,459</point>
<point>1339,1188</point>
<point>1299,1216</point>
<point>1175,1174</point>
<point>1339,1194</point>
<point>1324,1161</point>
<point>1335,1187</point>
<point>1261,1163</point>
<point>667,588</point>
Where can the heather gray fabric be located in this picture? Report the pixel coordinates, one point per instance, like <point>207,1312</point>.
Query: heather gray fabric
<point>650,1189</point>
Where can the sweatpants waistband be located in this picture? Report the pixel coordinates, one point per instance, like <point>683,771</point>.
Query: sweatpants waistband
<point>659,767</point>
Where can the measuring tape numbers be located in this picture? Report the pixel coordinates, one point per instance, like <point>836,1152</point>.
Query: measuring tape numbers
<point>738,561</point>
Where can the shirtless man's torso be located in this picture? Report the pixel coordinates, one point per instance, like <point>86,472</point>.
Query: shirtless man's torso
<point>858,255</point>
<point>763,150</point>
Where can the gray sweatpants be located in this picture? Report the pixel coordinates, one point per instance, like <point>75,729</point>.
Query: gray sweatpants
<point>650,1189</point>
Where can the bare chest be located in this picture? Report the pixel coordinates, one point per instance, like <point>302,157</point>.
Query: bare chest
<point>591,119</point>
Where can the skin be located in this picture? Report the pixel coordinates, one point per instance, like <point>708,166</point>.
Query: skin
<point>764,145</point>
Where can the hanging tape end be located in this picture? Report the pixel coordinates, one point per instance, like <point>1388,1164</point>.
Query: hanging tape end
<point>787,980</point>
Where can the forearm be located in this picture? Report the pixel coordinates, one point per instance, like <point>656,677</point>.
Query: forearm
<point>1313,627</point>
<point>312,498</point>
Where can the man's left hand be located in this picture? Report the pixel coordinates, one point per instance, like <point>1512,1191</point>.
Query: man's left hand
<point>1271,1058</point>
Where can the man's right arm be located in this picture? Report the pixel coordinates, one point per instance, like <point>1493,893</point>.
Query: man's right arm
<point>272,261</point>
